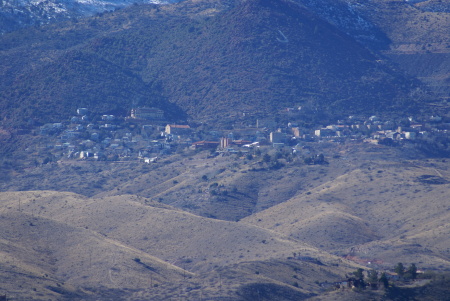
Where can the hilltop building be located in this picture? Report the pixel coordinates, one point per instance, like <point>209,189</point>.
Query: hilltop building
<point>296,132</point>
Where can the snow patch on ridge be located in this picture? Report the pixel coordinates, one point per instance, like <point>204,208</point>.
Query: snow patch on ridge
<point>15,14</point>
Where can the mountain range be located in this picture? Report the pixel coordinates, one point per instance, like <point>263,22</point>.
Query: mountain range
<point>211,59</point>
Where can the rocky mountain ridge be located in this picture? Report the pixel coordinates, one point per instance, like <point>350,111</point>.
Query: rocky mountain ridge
<point>20,14</point>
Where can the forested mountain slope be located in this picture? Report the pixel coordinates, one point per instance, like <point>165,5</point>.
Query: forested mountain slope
<point>211,59</point>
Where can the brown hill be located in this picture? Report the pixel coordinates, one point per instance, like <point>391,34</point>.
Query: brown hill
<point>372,204</point>
<point>366,202</point>
<point>382,211</point>
<point>46,259</point>
<point>173,235</point>
<point>97,246</point>
<point>234,187</point>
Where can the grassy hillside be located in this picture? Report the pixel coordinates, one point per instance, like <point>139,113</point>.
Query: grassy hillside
<point>282,231</point>
<point>365,202</point>
<point>46,259</point>
<point>379,211</point>
<point>127,243</point>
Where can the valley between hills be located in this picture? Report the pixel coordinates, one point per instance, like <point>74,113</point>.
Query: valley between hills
<point>159,232</point>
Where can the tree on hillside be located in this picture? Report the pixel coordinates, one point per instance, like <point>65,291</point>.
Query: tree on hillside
<point>400,269</point>
<point>308,160</point>
<point>358,280</point>
<point>372,278</point>
<point>383,279</point>
<point>411,273</point>
<point>277,156</point>
<point>276,164</point>
<point>320,159</point>
<point>359,274</point>
<point>266,158</point>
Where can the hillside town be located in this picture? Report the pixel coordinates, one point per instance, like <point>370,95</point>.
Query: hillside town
<point>145,135</point>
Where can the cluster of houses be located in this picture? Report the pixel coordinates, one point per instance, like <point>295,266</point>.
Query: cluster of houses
<point>145,135</point>
<point>109,137</point>
<point>375,130</point>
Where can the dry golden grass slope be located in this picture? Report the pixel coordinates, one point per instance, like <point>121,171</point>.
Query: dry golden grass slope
<point>170,234</point>
<point>180,184</point>
<point>371,203</point>
<point>384,210</point>
<point>94,242</point>
<point>44,258</point>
